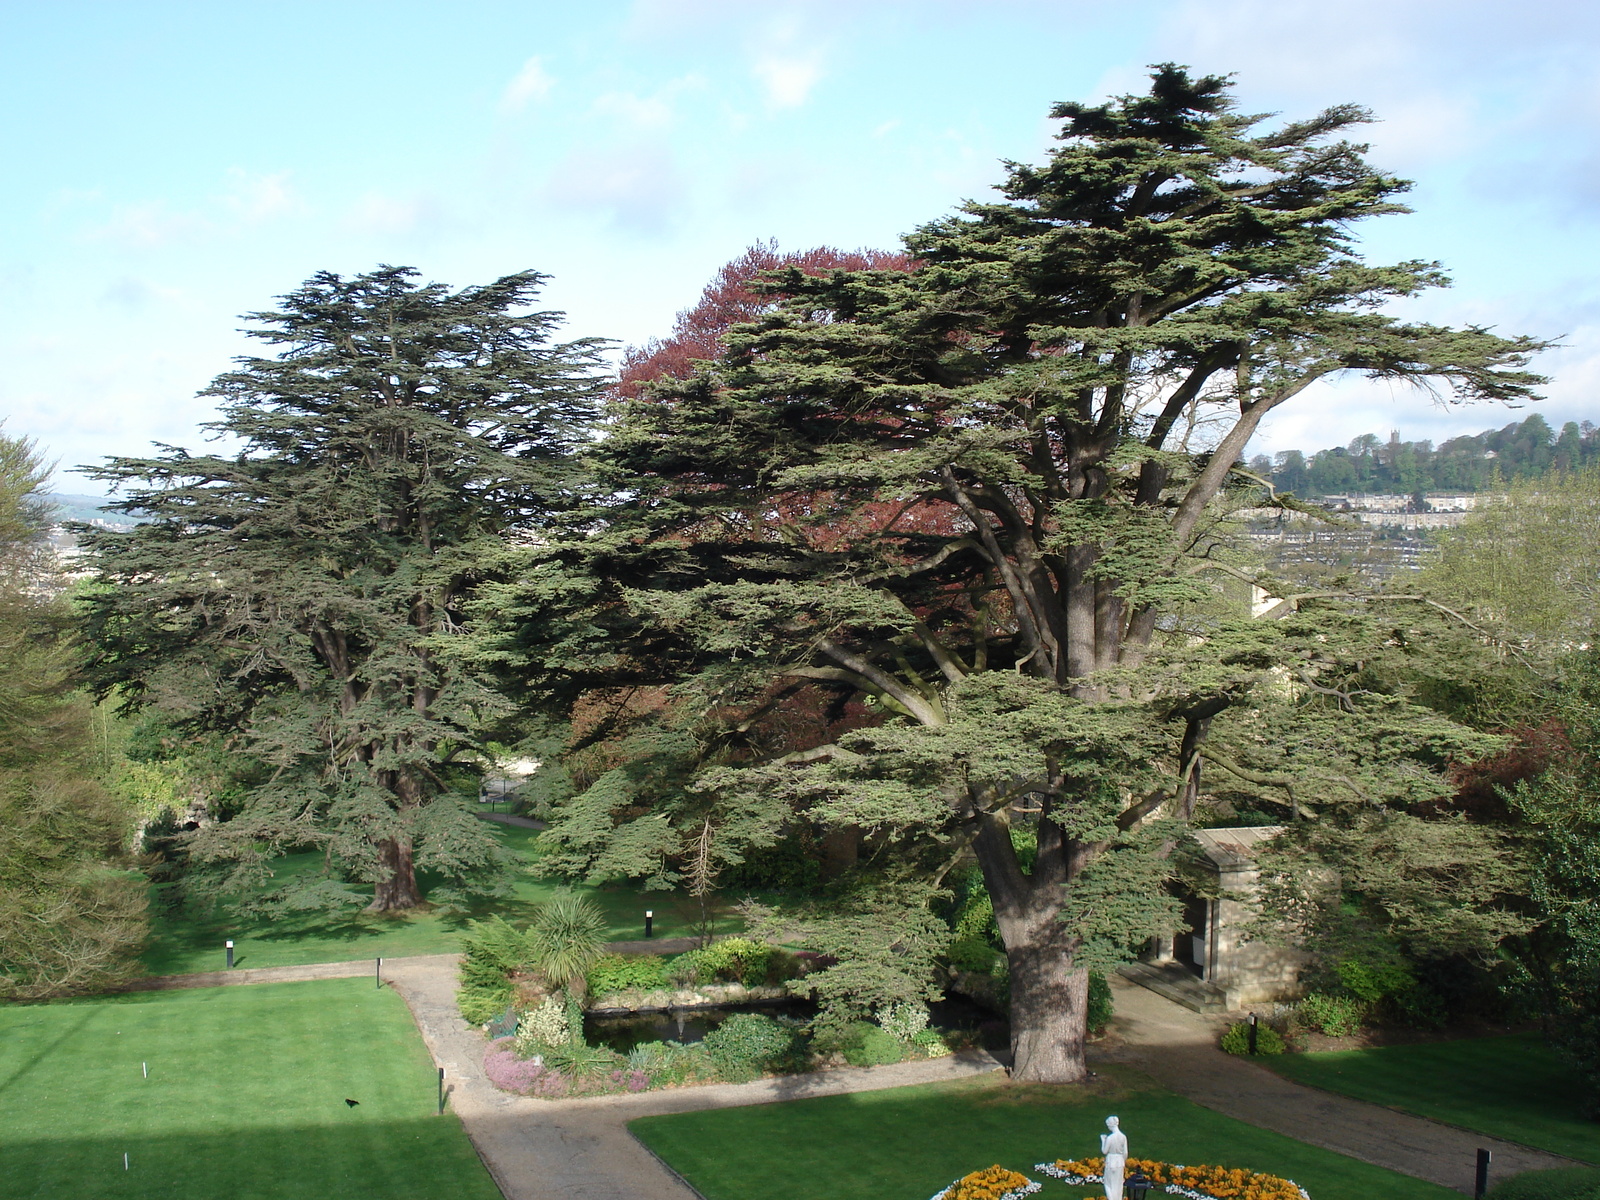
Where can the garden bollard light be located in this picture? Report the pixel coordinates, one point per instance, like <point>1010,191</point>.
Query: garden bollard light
<point>441,1091</point>
<point>229,945</point>
<point>1484,1159</point>
<point>649,923</point>
<point>1252,1033</point>
<point>377,973</point>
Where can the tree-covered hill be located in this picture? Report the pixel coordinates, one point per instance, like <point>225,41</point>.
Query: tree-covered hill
<point>1475,462</point>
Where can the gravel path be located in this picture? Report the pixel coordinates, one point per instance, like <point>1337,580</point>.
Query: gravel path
<point>1178,1048</point>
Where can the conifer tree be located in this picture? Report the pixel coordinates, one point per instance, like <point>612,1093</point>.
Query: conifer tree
<point>298,596</point>
<point>1054,401</point>
<point>72,918</point>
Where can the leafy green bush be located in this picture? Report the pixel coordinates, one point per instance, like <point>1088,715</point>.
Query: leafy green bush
<point>620,972</point>
<point>494,950</point>
<point>746,1044</point>
<point>862,1043</point>
<point>972,954</point>
<point>1372,980</point>
<point>1237,1039</point>
<point>1336,1016</point>
<point>544,1027</point>
<point>876,1047</point>
<point>733,960</point>
<point>903,1021</point>
<point>1101,1008</point>
<point>1564,1183</point>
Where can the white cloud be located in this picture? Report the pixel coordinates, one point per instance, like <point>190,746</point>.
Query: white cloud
<point>381,213</point>
<point>256,198</point>
<point>135,295</point>
<point>638,187</point>
<point>531,83</point>
<point>146,225</point>
<point>647,112</point>
<point>787,79</point>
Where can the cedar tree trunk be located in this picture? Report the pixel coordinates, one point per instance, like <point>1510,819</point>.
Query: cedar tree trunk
<point>1049,990</point>
<point>397,889</point>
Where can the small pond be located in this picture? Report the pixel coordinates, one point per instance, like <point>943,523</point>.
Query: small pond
<point>623,1032</point>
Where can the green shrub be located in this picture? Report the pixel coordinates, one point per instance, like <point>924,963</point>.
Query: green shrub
<point>972,954</point>
<point>746,1044</point>
<point>1336,1016</point>
<point>1101,1007</point>
<point>862,1043</point>
<point>876,1048</point>
<point>543,1027</point>
<point>1371,980</point>
<point>1564,1183</point>
<point>903,1022</point>
<point>493,950</point>
<point>620,972</point>
<point>734,960</point>
<point>1237,1039</point>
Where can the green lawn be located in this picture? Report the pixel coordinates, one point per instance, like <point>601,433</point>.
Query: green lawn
<point>245,1099</point>
<point>1510,1087</point>
<point>907,1143</point>
<point>194,942</point>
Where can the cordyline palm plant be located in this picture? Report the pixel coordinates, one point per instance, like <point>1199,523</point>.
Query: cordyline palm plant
<point>565,938</point>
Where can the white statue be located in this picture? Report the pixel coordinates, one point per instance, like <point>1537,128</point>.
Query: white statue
<point>1114,1147</point>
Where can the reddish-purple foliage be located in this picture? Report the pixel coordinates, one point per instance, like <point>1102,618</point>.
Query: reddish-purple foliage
<point>633,1081</point>
<point>521,1075</point>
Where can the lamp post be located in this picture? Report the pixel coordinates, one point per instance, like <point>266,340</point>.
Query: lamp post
<point>649,923</point>
<point>1136,1186</point>
<point>229,948</point>
<point>1252,1033</point>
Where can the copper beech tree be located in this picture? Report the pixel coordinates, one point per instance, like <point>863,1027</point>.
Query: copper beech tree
<point>1050,406</point>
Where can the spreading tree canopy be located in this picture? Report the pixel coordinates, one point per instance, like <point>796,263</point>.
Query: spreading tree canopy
<point>297,596</point>
<point>983,500</point>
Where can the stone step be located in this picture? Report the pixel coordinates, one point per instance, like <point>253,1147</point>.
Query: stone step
<point>1177,984</point>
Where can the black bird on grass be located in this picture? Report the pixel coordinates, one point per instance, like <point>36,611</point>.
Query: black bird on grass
<point>350,1102</point>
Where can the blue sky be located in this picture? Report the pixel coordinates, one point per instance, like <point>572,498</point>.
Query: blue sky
<point>170,166</point>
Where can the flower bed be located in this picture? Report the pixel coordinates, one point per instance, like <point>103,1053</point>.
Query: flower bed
<point>1196,1183</point>
<point>991,1183</point>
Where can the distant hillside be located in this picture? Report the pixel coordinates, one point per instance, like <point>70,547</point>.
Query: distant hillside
<point>1471,463</point>
<point>71,507</point>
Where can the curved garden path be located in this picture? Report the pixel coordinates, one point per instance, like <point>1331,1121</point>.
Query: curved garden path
<point>1178,1048</point>
<point>581,1149</point>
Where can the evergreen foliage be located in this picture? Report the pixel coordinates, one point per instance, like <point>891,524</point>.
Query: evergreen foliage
<point>299,596</point>
<point>978,504</point>
<point>72,913</point>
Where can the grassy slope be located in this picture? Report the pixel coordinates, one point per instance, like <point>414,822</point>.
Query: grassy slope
<point>194,942</point>
<point>1510,1087</point>
<point>245,1099</point>
<point>909,1142</point>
